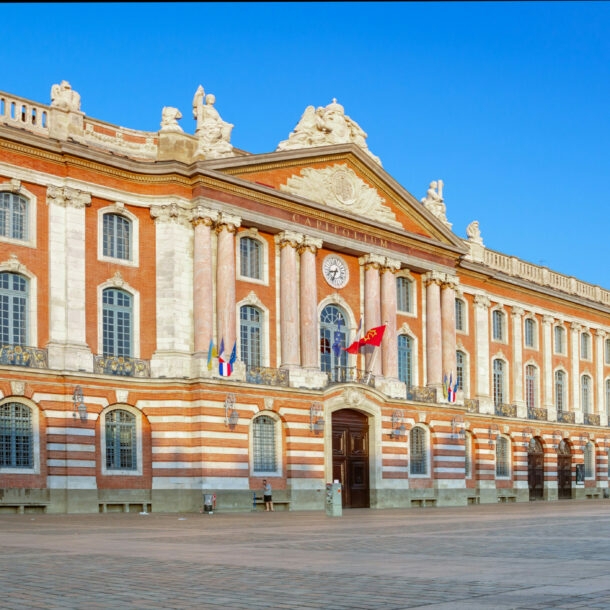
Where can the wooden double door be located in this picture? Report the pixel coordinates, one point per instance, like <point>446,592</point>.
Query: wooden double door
<point>350,434</point>
<point>564,471</point>
<point>535,470</point>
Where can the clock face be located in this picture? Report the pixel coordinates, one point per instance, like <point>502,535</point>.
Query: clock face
<point>335,271</point>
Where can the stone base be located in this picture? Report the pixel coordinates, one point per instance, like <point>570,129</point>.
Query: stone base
<point>312,379</point>
<point>69,357</point>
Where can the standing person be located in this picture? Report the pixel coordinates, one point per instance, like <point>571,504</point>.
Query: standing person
<point>267,496</point>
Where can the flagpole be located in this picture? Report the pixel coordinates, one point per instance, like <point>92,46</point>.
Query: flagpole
<point>371,364</point>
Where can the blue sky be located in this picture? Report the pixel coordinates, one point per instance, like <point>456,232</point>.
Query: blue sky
<point>507,102</point>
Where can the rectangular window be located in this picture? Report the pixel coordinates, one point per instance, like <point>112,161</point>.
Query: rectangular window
<point>530,330</point>
<point>263,440</point>
<point>498,325</point>
<point>460,323</point>
<point>404,298</point>
<point>559,340</point>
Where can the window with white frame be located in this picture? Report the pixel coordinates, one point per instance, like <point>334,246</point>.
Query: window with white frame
<point>418,443</point>
<point>250,335</point>
<point>16,436</point>
<point>530,332</point>
<point>498,382</point>
<point>460,315</point>
<point>502,457</point>
<point>460,369</point>
<point>585,346</point>
<point>333,340</point>
<point>560,391</point>
<point>585,394</point>
<point>404,294</point>
<point>14,296</point>
<point>498,320</point>
<point>589,455</point>
<point>251,258</point>
<point>265,436</point>
<point>468,455</point>
<point>405,359</point>
<point>13,216</point>
<point>560,340</point>
<point>531,384</point>
<point>608,399</point>
<point>121,441</point>
<point>608,457</point>
<point>117,322</point>
<point>117,240</point>
<point>607,351</point>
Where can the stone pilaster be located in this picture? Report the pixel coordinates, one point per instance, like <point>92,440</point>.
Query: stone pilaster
<point>575,365</point>
<point>67,348</point>
<point>448,288</point>
<point>372,263</point>
<point>310,348</point>
<point>600,394</point>
<point>548,394</point>
<point>483,364</point>
<point>517,373</point>
<point>434,336</point>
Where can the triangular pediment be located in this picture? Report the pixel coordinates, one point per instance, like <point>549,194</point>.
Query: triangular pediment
<point>345,180</point>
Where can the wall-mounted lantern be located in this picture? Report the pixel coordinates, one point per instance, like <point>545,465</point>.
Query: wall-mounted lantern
<point>80,408</point>
<point>458,427</point>
<point>316,418</point>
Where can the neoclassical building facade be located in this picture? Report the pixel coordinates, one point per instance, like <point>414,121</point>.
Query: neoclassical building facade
<point>176,315</point>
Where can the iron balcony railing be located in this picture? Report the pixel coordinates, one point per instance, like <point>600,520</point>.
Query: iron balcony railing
<point>591,419</point>
<point>419,394</point>
<point>267,376</point>
<point>350,374</point>
<point>22,355</point>
<point>537,413</point>
<point>565,417</point>
<point>505,410</point>
<point>121,366</point>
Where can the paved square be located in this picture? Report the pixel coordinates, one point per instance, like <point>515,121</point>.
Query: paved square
<point>526,556</point>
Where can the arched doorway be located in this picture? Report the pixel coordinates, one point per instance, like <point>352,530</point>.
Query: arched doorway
<point>564,471</point>
<point>535,469</point>
<point>350,443</point>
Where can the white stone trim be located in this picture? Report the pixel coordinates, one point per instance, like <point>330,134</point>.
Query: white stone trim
<point>134,246</point>
<point>139,454</point>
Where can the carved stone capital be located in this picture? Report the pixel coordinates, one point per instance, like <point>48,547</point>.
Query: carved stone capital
<point>390,265</point>
<point>600,332</point>
<point>310,243</point>
<point>204,216</point>
<point>548,320</point>
<point>170,213</point>
<point>481,300</point>
<point>289,238</point>
<point>517,312</point>
<point>228,222</point>
<point>575,327</point>
<point>433,277</point>
<point>66,196</point>
<point>372,261</point>
<point>450,281</point>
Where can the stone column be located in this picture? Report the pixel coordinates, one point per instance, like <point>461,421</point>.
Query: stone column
<point>67,348</point>
<point>372,306</point>
<point>434,337</point>
<point>288,242</point>
<point>226,319</point>
<point>203,278</point>
<point>483,364</point>
<point>310,346</point>
<point>575,329</point>
<point>598,407</point>
<point>174,291</point>
<point>548,395</point>
<point>448,287</point>
<point>389,346</point>
<point>519,400</point>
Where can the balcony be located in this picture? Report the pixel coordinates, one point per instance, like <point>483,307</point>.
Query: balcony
<point>537,413</point>
<point>121,366</point>
<point>418,394</point>
<point>350,374</point>
<point>505,410</point>
<point>22,355</point>
<point>565,417</point>
<point>266,376</point>
<point>591,419</point>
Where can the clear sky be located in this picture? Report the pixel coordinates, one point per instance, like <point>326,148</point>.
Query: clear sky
<point>507,102</point>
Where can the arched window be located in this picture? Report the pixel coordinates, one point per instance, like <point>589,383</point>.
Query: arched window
<point>405,359</point>
<point>585,394</point>
<point>264,445</point>
<point>117,322</point>
<point>333,323</point>
<point>404,294</point>
<point>116,236</point>
<point>498,382</point>
<point>121,440</point>
<point>502,457</point>
<point>16,436</point>
<point>531,383</point>
<point>585,346</point>
<point>14,308</point>
<point>251,258</point>
<point>560,391</point>
<point>560,345</point>
<point>250,335</point>
<point>13,216</point>
<point>468,455</point>
<point>530,332</point>
<point>607,351</point>
<point>589,460</point>
<point>460,365</point>
<point>498,325</point>
<point>460,313</point>
<point>418,442</point>
<point>608,399</point>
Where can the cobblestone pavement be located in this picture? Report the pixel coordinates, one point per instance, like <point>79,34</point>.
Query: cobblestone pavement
<point>526,556</point>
